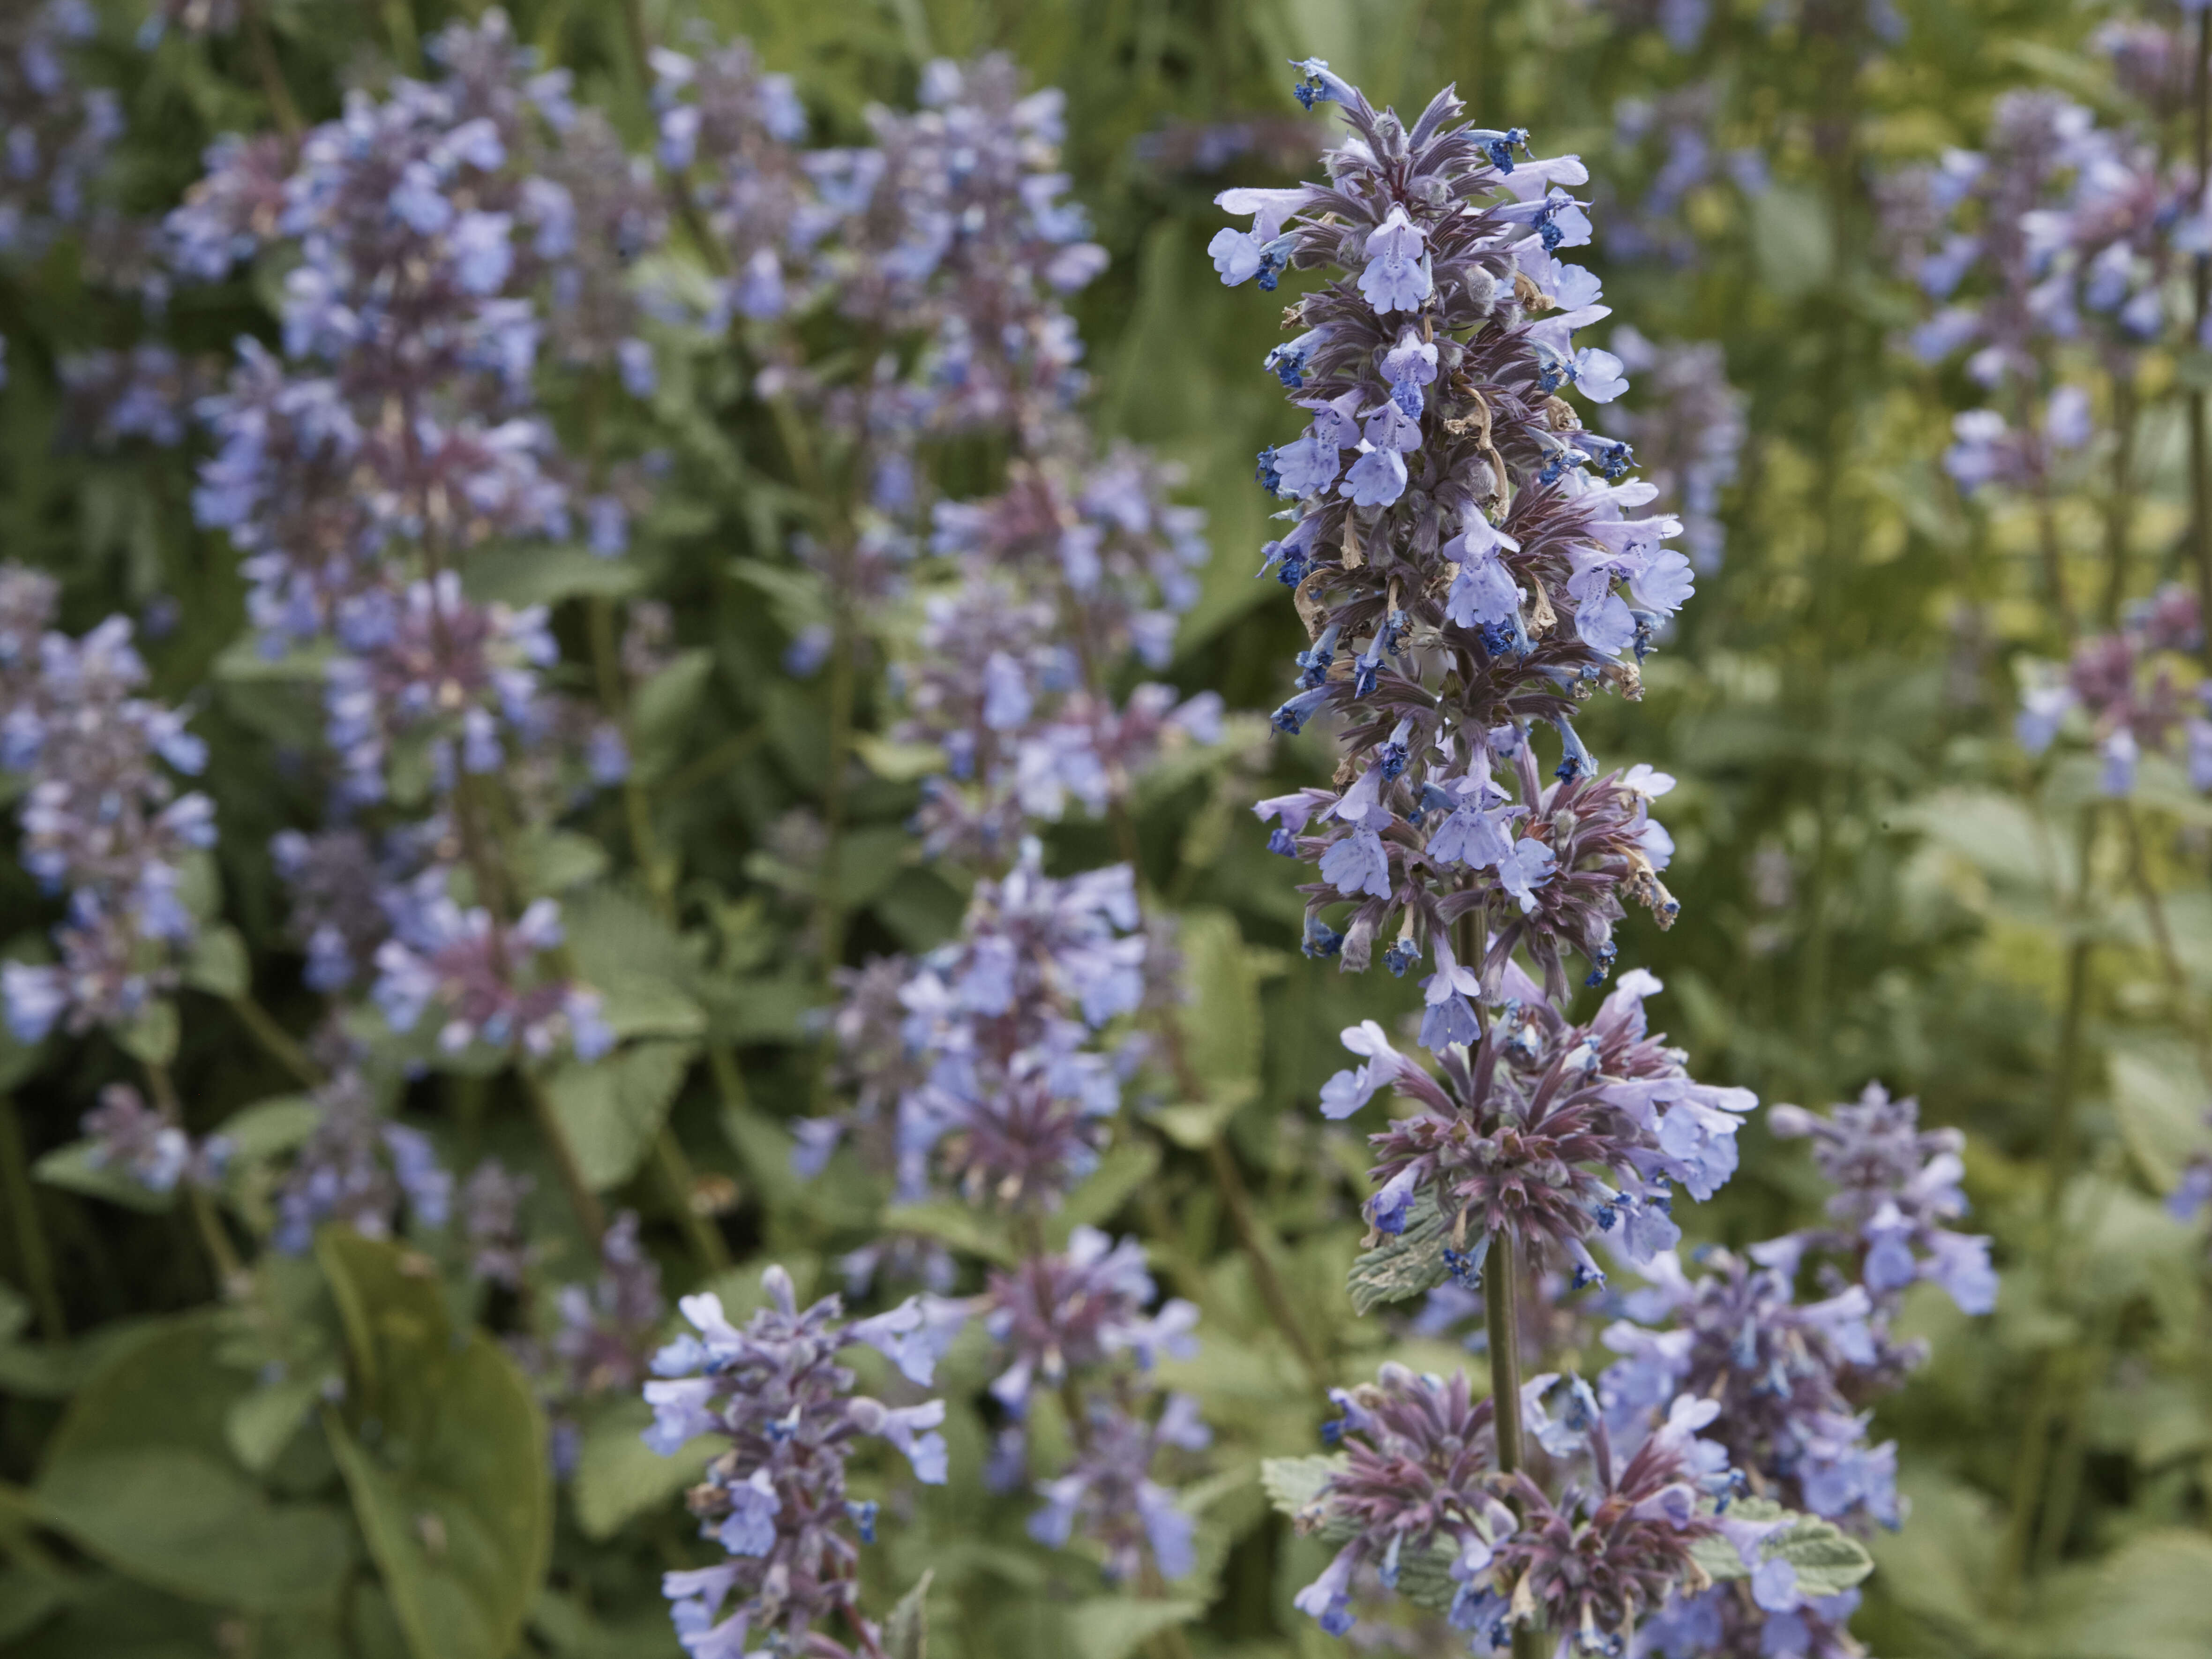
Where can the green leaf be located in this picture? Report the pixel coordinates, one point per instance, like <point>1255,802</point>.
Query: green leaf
<point>76,1168</point>
<point>261,1424</point>
<point>1113,1626</point>
<point>270,1126</point>
<point>619,1477</point>
<point>1828,1560</point>
<point>141,1476</point>
<point>898,762</point>
<point>1292,1483</point>
<point>1221,1025</point>
<point>1404,1266</point>
<point>612,1108</point>
<point>761,1009</point>
<point>960,1225</point>
<point>641,1005</point>
<point>445,1460</point>
<point>2158,1097</point>
<point>1792,241</point>
<point>1196,1125</point>
<point>219,964</point>
<point>660,713</point>
<point>1120,1173</point>
<point>2148,1600</point>
<point>150,1037</point>
<point>543,574</point>
<point>906,1632</point>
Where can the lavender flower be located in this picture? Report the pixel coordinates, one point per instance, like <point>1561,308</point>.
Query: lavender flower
<point>59,133</point>
<point>1056,1315</point>
<point>133,1139</point>
<point>102,821</point>
<point>1687,430</point>
<point>1896,1183</point>
<point>606,1328</point>
<point>1108,1493</point>
<point>776,1499</point>
<point>491,1225</point>
<point>1464,561</point>
<point>2135,689</point>
<point>490,983</point>
<point>357,1170</point>
<point>1550,1132</point>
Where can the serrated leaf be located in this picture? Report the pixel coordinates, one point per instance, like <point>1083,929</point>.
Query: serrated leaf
<point>2148,1600</point>
<point>1404,1266</point>
<point>1113,1626</point>
<point>906,1632</point>
<point>1292,1483</point>
<point>1221,1024</point>
<point>1828,1560</point>
<point>612,1108</point>
<point>140,1475</point>
<point>660,713</point>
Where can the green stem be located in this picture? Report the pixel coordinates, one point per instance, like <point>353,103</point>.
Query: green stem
<point>1502,1316</point>
<point>271,72</point>
<point>2066,1070</point>
<point>280,1043</point>
<point>699,1229</point>
<point>30,1235</point>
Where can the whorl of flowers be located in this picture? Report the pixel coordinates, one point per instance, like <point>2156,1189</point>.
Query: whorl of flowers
<point>1458,578</point>
<point>2059,230</point>
<point>957,230</point>
<point>994,1078</point>
<point>133,1139</point>
<point>1059,580</point>
<point>452,239</point>
<point>1107,1492</point>
<point>1549,1132</point>
<point>1687,424</point>
<point>59,132</point>
<point>774,1498</point>
<point>1677,130</point>
<point>488,984</point>
<point>102,821</point>
<point>1896,1184</point>
<point>2133,692</point>
<point>1418,1485</point>
<point>359,1169</point>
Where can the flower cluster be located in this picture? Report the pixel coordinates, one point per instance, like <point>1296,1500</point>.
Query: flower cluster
<point>1792,1379</point>
<point>495,985</point>
<point>2135,691</point>
<point>1063,1321</point>
<point>992,1075</point>
<point>1419,1492</point>
<point>359,1169</point>
<point>1459,578</point>
<point>1676,130</point>
<point>2069,231</point>
<point>1060,579</point>
<point>59,132</point>
<point>133,1139</point>
<point>1896,1184</point>
<point>775,1497</point>
<point>1549,1132</point>
<point>102,820</point>
<point>1687,424</point>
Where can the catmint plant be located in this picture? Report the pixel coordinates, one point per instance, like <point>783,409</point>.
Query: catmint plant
<point>775,1497</point>
<point>1457,543</point>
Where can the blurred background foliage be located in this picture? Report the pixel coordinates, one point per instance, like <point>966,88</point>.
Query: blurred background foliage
<point>1875,882</point>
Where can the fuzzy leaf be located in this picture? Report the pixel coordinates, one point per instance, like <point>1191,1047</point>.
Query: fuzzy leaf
<point>1404,1266</point>
<point>906,1632</point>
<point>1112,1626</point>
<point>1291,1483</point>
<point>619,1477</point>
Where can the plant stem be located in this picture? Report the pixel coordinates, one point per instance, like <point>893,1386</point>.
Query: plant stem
<point>1502,1316</point>
<point>699,1229</point>
<point>271,72</point>
<point>30,1235</point>
<point>723,756</point>
<point>281,1045</point>
<point>2065,1071</point>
